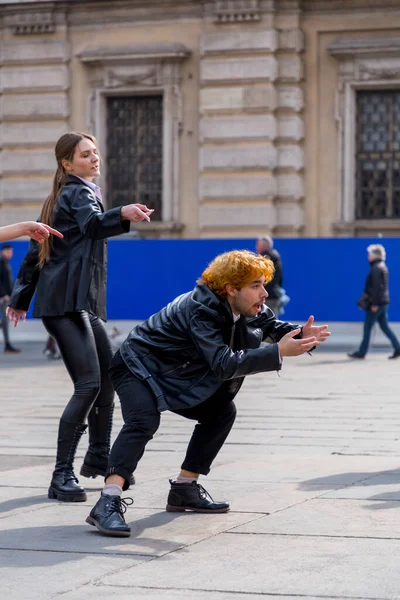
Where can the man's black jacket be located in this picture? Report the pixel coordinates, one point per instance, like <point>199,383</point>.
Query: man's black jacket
<point>75,276</point>
<point>274,286</point>
<point>188,349</point>
<point>377,283</point>
<point>6,278</point>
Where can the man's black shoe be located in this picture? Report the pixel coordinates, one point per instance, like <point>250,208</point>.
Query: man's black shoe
<point>192,496</point>
<point>108,516</point>
<point>395,354</point>
<point>11,350</point>
<point>355,355</point>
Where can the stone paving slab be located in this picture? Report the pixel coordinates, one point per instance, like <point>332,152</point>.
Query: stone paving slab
<point>154,593</point>
<point>44,575</point>
<point>338,567</point>
<point>327,517</point>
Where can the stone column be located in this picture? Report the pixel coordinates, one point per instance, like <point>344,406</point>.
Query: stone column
<point>251,158</point>
<point>34,83</point>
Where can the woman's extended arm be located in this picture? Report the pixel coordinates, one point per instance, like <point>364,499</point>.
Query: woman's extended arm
<point>37,231</point>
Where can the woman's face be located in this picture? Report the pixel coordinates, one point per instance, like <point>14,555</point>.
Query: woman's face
<point>85,162</point>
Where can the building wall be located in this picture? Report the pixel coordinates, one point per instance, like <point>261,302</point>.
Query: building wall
<point>257,93</point>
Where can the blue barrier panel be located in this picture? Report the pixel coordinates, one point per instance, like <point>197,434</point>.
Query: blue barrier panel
<point>323,277</point>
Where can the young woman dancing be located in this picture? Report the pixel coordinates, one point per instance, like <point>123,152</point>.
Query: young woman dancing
<point>69,277</point>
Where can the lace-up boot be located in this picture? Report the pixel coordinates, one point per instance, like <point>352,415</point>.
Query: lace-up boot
<point>64,485</point>
<point>192,496</point>
<point>108,516</point>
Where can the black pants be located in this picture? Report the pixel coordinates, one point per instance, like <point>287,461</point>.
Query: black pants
<point>4,322</point>
<point>215,418</point>
<point>84,345</point>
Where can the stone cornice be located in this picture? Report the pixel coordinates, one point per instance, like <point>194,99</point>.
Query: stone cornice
<point>365,46</point>
<point>316,6</point>
<point>170,52</point>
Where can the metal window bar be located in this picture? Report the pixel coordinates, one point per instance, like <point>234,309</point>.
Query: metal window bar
<point>378,154</point>
<point>134,151</point>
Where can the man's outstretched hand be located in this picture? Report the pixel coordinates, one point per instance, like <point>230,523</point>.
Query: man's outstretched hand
<point>288,346</point>
<point>320,332</point>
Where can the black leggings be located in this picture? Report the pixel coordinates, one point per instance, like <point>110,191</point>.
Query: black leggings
<point>86,349</point>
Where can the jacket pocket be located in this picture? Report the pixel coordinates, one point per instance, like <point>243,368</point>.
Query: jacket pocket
<point>176,369</point>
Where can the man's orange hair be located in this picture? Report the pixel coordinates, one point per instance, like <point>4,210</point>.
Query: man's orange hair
<point>237,268</point>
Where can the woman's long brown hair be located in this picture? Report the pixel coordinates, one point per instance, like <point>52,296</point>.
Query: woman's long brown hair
<point>64,150</point>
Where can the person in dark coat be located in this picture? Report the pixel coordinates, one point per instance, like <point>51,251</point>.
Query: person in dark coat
<point>69,277</point>
<point>265,247</point>
<point>191,358</point>
<point>6,286</point>
<point>376,301</point>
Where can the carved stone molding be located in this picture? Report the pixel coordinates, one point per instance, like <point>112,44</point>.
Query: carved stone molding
<point>347,5</point>
<point>237,11</point>
<point>140,53</point>
<point>31,22</point>
<point>128,76</point>
<point>365,46</point>
<point>379,69</point>
<point>142,66</point>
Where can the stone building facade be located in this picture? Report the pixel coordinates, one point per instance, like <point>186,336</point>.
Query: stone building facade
<point>230,117</point>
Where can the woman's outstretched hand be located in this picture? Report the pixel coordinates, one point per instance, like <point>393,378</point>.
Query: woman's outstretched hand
<point>15,315</point>
<point>136,213</point>
<point>39,231</point>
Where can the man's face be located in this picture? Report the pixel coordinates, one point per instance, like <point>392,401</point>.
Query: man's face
<point>261,246</point>
<point>7,253</point>
<point>249,300</point>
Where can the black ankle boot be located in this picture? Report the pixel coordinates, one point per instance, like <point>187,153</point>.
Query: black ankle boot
<point>192,496</point>
<point>96,459</point>
<point>108,515</point>
<point>64,485</point>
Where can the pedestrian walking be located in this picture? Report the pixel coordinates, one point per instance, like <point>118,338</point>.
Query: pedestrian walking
<point>6,286</point>
<point>69,277</point>
<point>50,350</point>
<point>375,301</point>
<point>265,247</point>
<point>191,358</point>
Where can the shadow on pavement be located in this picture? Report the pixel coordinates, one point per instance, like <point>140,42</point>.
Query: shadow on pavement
<point>51,545</point>
<point>349,480</point>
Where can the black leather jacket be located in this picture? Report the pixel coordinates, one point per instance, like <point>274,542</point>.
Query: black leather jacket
<point>377,283</point>
<point>188,349</point>
<point>75,276</point>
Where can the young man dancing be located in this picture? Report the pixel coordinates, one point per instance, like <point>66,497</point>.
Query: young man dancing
<point>191,358</point>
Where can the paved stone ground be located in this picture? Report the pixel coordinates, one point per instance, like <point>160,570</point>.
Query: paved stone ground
<point>311,468</point>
